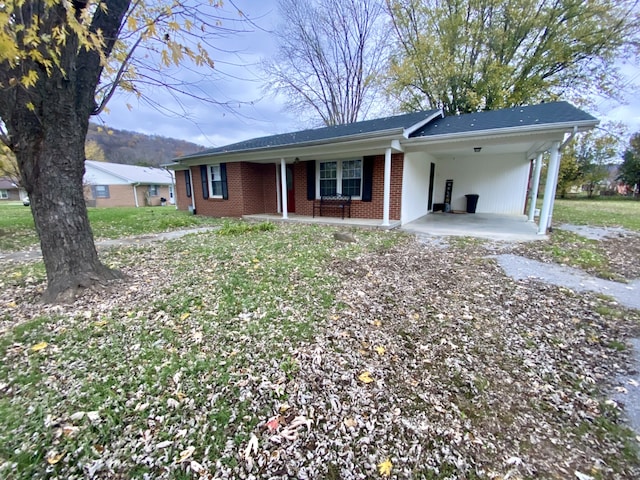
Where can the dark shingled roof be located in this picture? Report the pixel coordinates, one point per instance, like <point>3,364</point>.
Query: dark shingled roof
<point>321,134</point>
<point>542,114</point>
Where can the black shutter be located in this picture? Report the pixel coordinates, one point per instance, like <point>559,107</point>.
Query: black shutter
<point>187,179</point>
<point>311,180</point>
<point>223,177</point>
<point>367,178</point>
<point>205,181</point>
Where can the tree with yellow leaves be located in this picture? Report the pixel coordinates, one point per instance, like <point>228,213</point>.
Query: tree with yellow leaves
<point>60,63</point>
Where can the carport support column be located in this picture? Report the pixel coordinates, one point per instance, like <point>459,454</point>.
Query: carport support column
<point>549,189</point>
<point>535,186</point>
<point>283,184</point>
<point>387,188</point>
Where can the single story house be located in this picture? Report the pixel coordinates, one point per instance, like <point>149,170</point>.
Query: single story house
<point>10,191</point>
<point>395,169</point>
<point>119,185</point>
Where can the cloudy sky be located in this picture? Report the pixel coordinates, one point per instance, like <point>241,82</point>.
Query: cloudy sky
<point>237,81</point>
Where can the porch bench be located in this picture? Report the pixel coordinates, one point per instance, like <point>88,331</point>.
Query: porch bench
<point>332,203</point>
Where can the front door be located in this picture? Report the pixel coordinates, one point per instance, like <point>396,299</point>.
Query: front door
<point>291,194</point>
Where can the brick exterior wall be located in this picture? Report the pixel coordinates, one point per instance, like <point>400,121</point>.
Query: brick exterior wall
<point>122,196</point>
<point>360,209</point>
<point>252,189</point>
<point>182,200</point>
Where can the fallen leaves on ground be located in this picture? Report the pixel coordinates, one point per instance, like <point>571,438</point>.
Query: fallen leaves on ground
<point>208,367</point>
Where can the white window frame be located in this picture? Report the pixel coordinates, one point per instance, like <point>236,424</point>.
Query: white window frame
<point>4,194</point>
<point>339,176</point>
<point>151,190</point>
<point>210,179</point>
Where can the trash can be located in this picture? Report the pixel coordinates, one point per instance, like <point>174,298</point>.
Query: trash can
<point>472,202</point>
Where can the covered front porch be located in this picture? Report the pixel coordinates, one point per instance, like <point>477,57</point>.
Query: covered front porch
<point>507,228</point>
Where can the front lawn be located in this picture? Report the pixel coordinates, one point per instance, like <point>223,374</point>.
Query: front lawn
<point>17,231</point>
<point>278,352</point>
<point>602,211</point>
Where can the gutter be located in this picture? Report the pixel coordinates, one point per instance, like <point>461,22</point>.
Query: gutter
<point>504,131</point>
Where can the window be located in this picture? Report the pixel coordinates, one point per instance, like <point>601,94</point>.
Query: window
<point>328,178</point>
<point>187,179</point>
<point>101,191</point>
<point>340,176</point>
<point>4,194</point>
<point>154,190</point>
<point>351,177</point>
<point>216,181</point>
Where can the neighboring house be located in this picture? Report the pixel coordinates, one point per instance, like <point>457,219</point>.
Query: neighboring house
<point>119,185</point>
<point>396,168</point>
<point>10,191</point>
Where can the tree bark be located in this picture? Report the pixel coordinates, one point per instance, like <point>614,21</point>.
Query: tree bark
<point>52,162</point>
<point>47,125</point>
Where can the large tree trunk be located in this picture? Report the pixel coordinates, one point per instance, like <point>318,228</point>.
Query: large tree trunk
<point>52,166</point>
<point>47,125</point>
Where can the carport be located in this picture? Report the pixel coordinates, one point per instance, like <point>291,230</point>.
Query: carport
<point>506,228</point>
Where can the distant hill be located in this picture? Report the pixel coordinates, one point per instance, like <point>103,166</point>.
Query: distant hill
<point>132,148</point>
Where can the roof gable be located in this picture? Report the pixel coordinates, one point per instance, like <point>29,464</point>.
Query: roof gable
<point>527,116</point>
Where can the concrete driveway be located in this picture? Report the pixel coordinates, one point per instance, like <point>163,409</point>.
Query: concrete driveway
<point>507,228</point>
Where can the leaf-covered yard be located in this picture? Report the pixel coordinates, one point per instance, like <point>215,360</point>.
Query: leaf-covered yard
<point>281,353</point>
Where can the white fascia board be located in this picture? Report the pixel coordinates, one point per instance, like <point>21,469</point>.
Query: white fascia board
<point>408,131</point>
<point>352,143</point>
<point>547,127</point>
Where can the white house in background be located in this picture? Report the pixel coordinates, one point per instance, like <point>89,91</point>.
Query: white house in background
<point>119,185</point>
<point>10,191</point>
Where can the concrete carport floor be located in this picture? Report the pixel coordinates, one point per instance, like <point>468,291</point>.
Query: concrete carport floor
<point>506,228</point>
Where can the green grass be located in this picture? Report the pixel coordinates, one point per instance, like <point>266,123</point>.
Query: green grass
<point>572,249</point>
<point>600,211</point>
<point>17,229</point>
<point>238,307</point>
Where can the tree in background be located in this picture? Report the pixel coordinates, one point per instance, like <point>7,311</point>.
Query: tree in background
<point>629,172</point>
<point>330,56</point>
<point>60,63</point>
<point>595,151</point>
<point>569,172</point>
<point>470,55</point>
<point>93,151</point>
<point>8,165</point>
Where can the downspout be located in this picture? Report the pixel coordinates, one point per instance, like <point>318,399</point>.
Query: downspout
<point>193,194</point>
<point>135,193</point>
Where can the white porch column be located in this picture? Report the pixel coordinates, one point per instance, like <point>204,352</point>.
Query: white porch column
<point>549,189</point>
<point>283,183</point>
<point>535,186</point>
<point>387,188</point>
